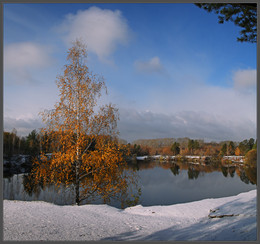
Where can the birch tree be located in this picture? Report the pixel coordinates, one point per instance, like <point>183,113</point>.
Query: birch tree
<point>82,135</point>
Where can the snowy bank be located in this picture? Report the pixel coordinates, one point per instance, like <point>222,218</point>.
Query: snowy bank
<point>229,218</point>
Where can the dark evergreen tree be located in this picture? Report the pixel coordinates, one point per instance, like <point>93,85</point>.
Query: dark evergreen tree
<point>33,143</point>
<point>246,145</point>
<point>191,146</point>
<point>175,148</point>
<point>243,15</point>
<point>231,148</point>
<point>223,150</point>
<point>251,143</point>
<point>196,145</point>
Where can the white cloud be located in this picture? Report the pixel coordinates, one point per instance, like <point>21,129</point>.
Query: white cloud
<point>21,58</point>
<point>151,66</point>
<point>102,30</point>
<point>245,78</point>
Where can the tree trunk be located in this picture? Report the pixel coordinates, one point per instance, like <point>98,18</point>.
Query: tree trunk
<point>77,183</point>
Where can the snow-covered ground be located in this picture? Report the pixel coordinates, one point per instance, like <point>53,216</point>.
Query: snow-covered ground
<point>229,218</point>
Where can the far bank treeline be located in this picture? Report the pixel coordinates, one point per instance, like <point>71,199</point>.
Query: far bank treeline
<point>32,145</point>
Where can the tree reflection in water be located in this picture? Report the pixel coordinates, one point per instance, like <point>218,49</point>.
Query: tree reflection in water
<point>251,173</point>
<point>193,173</point>
<point>224,171</point>
<point>127,197</point>
<point>246,173</point>
<point>175,169</point>
<point>33,191</point>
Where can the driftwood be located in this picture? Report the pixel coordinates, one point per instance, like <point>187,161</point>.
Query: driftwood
<point>220,216</point>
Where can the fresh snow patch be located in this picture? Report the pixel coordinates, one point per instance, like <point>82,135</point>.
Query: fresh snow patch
<point>187,221</point>
<point>141,157</point>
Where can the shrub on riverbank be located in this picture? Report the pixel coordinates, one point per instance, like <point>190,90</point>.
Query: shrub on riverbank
<point>251,158</point>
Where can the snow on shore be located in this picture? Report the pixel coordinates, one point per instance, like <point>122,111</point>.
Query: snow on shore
<point>232,218</point>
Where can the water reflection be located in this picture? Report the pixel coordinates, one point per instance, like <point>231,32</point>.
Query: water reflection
<point>193,173</point>
<point>175,169</point>
<point>160,184</point>
<point>251,173</point>
<point>185,182</point>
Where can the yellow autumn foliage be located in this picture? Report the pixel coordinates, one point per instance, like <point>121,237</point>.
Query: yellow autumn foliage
<point>81,136</point>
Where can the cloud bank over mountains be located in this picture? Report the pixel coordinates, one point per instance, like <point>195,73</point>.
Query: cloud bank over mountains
<point>135,124</point>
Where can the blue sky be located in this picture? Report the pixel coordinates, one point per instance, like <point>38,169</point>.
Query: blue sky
<point>171,69</point>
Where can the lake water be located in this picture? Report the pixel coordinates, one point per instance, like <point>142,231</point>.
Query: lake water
<point>160,184</point>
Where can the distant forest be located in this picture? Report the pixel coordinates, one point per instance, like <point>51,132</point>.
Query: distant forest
<point>186,146</point>
<point>31,145</point>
